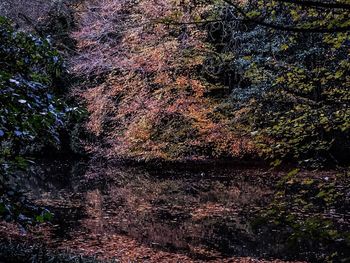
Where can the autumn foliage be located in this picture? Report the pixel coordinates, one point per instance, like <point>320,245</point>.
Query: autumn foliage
<point>149,100</point>
<point>189,79</point>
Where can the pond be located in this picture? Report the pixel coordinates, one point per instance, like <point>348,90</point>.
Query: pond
<point>178,214</point>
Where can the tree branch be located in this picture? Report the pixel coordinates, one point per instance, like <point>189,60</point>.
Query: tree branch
<point>283,27</point>
<point>310,3</point>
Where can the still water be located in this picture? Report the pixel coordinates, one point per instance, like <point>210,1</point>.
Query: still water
<point>157,214</point>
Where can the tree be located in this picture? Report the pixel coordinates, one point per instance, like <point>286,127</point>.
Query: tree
<point>298,81</point>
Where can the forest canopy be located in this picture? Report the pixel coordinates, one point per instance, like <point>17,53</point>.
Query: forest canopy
<point>203,79</point>
<point>184,80</point>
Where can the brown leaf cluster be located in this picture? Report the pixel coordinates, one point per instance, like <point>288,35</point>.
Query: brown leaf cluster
<point>151,101</point>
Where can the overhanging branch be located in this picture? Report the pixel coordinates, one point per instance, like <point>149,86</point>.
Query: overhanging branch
<point>242,12</point>
<point>310,3</point>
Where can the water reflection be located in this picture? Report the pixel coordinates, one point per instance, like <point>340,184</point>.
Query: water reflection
<point>202,213</point>
<point>131,212</point>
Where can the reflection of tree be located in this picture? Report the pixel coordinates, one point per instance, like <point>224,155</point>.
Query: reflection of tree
<point>94,212</point>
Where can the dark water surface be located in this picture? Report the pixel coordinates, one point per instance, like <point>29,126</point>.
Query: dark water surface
<point>202,212</point>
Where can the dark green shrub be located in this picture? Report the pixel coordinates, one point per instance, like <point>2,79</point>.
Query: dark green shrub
<point>33,111</point>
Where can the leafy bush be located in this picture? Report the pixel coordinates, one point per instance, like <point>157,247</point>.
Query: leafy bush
<point>33,110</point>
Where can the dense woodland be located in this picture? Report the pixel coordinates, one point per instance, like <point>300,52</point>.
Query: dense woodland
<point>162,82</point>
